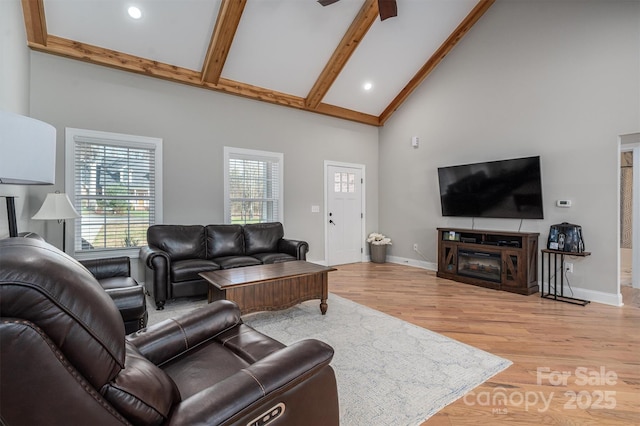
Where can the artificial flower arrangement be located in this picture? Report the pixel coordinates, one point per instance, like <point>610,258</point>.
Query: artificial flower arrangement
<point>378,239</point>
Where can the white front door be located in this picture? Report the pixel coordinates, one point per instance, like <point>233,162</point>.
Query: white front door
<point>345,214</point>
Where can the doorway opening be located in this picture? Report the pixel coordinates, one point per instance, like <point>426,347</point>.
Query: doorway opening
<point>629,227</point>
<point>626,217</point>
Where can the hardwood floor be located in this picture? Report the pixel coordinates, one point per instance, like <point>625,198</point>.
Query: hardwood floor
<point>572,365</point>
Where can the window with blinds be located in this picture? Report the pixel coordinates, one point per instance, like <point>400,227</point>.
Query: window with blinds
<point>253,186</point>
<point>115,188</point>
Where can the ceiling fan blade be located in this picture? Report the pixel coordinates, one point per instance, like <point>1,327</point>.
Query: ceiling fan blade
<point>388,9</point>
<point>326,2</point>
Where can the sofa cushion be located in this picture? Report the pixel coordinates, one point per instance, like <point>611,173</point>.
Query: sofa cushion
<point>262,237</point>
<point>188,270</point>
<point>179,241</point>
<point>267,258</point>
<point>130,301</point>
<point>224,240</point>
<point>141,391</point>
<point>228,262</point>
<point>117,282</point>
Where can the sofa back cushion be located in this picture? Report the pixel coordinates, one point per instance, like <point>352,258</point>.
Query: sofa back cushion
<point>262,237</point>
<point>224,240</point>
<point>179,241</point>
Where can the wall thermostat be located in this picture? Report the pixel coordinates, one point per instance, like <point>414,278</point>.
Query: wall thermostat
<point>563,203</point>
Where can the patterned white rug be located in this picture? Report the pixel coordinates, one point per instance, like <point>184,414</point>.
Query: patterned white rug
<point>389,372</point>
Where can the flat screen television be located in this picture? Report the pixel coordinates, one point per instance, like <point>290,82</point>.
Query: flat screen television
<point>497,189</point>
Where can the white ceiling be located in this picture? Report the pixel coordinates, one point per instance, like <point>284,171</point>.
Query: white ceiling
<point>280,45</point>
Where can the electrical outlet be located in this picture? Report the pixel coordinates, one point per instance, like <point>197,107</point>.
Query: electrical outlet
<point>415,246</point>
<point>568,266</point>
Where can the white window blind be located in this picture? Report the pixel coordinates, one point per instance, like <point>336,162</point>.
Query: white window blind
<point>253,186</point>
<point>114,190</point>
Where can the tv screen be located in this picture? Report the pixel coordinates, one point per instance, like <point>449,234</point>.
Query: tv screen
<point>497,189</point>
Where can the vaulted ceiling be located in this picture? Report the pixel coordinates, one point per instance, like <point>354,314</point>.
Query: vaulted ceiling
<point>294,53</point>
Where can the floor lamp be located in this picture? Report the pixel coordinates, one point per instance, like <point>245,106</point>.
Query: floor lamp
<point>27,156</point>
<point>57,206</point>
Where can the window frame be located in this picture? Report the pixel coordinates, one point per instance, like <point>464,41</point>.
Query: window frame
<point>73,135</point>
<point>256,155</point>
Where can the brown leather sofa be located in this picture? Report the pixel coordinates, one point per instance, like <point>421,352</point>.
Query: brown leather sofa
<point>114,275</point>
<point>65,359</point>
<point>176,254</point>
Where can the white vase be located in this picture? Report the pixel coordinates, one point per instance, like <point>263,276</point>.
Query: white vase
<point>378,252</point>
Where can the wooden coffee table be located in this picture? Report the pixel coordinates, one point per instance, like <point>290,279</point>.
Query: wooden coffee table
<point>270,287</point>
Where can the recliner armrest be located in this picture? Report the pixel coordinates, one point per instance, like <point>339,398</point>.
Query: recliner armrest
<point>295,248</point>
<point>108,267</point>
<point>165,340</point>
<point>287,367</point>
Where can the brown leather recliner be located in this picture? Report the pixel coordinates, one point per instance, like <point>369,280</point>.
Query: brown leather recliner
<point>65,360</point>
<point>114,275</point>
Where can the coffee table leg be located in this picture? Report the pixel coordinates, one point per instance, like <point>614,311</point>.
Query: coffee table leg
<point>325,293</point>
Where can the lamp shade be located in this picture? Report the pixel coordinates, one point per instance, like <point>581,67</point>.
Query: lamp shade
<point>56,206</point>
<point>27,150</point>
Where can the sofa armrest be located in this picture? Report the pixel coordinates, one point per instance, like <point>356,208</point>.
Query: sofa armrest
<point>295,248</point>
<point>170,338</point>
<point>157,277</point>
<point>269,376</point>
<point>148,254</point>
<point>108,267</point>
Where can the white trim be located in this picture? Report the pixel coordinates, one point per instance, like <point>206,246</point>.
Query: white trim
<point>580,293</point>
<point>430,266</point>
<point>362,168</point>
<point>73,135</point>
<point>252,154</point>
<point>631,142</point>
<point>595,296</point>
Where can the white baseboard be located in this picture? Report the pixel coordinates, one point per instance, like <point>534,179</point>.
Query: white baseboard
<point>595,296</point>
<point>579,293</point>
<point>412,262</point>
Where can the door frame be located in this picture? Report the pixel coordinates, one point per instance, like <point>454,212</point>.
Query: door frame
<point>631,142</point>
<point>362,168</point>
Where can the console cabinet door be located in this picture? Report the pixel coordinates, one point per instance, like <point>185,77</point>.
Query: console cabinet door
<point>448,258</point>
<point>513,269</point>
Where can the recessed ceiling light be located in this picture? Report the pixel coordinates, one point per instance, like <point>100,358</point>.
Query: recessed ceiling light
<point>134,12</point>
<point>367,86</point>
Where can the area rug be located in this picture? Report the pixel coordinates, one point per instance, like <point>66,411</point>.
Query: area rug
<point>389,372</point>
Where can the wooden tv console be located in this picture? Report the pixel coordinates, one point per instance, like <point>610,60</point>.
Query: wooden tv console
<point>499,260</point>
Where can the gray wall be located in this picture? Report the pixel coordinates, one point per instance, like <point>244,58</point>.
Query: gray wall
<point>195,125</point>
<point>14,96</point>
<point>559,79</point>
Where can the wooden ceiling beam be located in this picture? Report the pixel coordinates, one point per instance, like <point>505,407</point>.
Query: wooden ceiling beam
<point>221,39</point>
<point>356,32</point>
<point>435,59</point>
<point>122,61</point>
<point>34,21</point>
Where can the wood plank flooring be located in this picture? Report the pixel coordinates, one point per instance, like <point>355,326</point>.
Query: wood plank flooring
<point>572,365</point>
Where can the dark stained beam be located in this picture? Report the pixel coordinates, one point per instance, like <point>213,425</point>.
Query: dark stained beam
<point>221,39</point>
<point>446,47</point>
